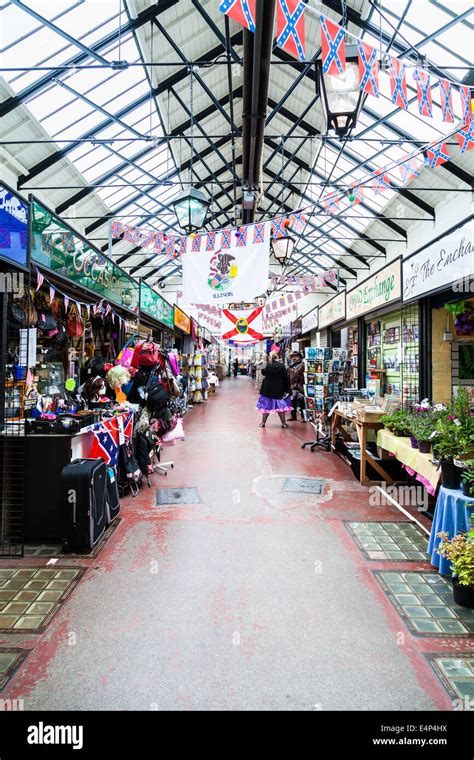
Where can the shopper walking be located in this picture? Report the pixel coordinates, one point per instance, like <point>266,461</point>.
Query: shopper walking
<point>296,375</point>
<point>235,367</point>
<point>275,392</point>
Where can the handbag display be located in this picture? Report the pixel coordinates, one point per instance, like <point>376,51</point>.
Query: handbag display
<point>18,314</point>
<point>46,320</point>
<point>126,353</point>
<point>74,324</point>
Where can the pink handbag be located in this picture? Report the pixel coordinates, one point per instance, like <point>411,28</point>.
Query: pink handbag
<point>173,364</point>
<point>126,354</point>
<point>177,434</point>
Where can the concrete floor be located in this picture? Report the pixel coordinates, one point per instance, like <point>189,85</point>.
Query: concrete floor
<point>252,599</point>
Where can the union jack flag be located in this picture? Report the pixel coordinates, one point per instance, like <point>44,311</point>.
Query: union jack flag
<point>278,230</point>
<point>258,232</point>
<point>465,136</point>
<point>226,239</point>
<point>211,241</point>
<point>105,444</point>
<point>465,93</point>
<point>242,237</point>
<point>381,181</point>
<point>358,193</point>
<point>333,47</point>
<point>446,91</point>
<point>331,203</point>
<point>398,82</point>
<point>437,154</point>
<point>410,168</point>
<point>423,86</point>
<point>196,244</point>
<point>368,69</point>
<point>39,279</point>
<point>290,27</point>
<point>242,11</point>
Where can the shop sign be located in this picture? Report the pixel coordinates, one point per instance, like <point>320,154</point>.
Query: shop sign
<point>152,304</point>
<point>296,327</point>
<point>332,311</point>
<point>194,329</point>
<point>63,252</point>
<point>446,262</point>
<point>182,321</point>
<point>310,321</point>
<point>13,228</point>
<point>377,291</point>
<point>287,330</point>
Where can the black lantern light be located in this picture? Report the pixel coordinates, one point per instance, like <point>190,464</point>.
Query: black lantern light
<point>341,97</point>
<point>282,248</point>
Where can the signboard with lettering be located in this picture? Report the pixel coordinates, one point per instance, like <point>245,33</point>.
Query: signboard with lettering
<point>375,292</point>
<point>13,228</point>
<point>152,304</point>
<point>296,327</point>
<point>65,253</point>
<point>310,321</point>
<point>445,262</point>
<point>332,311</point>
<point>182,321</point>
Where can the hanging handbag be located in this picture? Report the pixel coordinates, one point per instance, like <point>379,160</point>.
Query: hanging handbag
<point>18,314</point>
<point>126,354</point>
<point>74,324</point>
<point>30,311</point>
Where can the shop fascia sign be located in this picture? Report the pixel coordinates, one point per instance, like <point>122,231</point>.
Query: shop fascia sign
<point>62,251</point>
<point>375,292</point>
<point>310,321</point>
<point>152,304</point>
<point>332,311</point>
<point>182,321</point>
<point>448,261</point>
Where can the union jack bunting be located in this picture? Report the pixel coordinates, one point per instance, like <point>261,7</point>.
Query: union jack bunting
<point>410,168</point>
<point>242,11</point>
<point>437,154</point>
<point>358,192</point>
<point>423,87</point>
<point>290,27</point>
<point>331,203</point>
<point>465,136</point>
<point>398,82</point>
<point>465,93</point>
<point>446,91</point>
<point>368,69</point>
<point>196,244</point>
<point>258,232</point>
<point>226,241</point>
<point>210,241</point>
<point>278,229</point>
<point>381,181</point>
<point>333,47</point>
<point>241,239</point>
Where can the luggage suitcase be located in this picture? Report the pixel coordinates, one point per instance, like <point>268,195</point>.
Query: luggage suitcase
<point>112,499</point>
<point>83,503</point>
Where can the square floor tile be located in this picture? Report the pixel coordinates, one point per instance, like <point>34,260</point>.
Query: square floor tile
<point>456,673</point>
<point>172,496</point>
<point>401,542</point>
<point>29,622</point>
<point>7,621</point>
<point>427,626</point>
<point>303,485</point>
<point>10,659</point>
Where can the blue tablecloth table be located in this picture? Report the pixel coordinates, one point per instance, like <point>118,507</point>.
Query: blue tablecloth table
<point>452,516</point>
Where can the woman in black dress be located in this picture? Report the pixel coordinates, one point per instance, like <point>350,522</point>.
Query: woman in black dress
<point>274,394</point>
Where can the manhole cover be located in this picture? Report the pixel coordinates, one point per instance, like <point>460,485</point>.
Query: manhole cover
<point>10,659</point>
<point>303,485</point>
<point>167,496</point>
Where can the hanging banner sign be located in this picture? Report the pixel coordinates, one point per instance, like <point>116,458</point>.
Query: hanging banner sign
<point>13,228</point>
<point>442,263</point>
<point>375,292</point>
<point>307,281</point>
<point>332,311</point>
<point>242,327</point>
<point>296,327</point>
<point>230,266</point>
<point>182,321</point>
<point>64,253</point>
<point>152,304</point>
<point>310,321</point>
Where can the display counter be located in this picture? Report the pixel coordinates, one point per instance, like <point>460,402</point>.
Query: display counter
<point>415,463</point>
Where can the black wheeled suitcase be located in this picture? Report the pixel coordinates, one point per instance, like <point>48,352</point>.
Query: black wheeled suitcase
<point>83,503</point>
<point>112,499</point>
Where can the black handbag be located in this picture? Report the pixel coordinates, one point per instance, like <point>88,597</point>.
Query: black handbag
<point>18,314</point>
<point>46,320</point>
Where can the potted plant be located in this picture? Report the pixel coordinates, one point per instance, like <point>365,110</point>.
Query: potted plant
<point>397,422</point>
<point>468,479</point>
<point>463,316</point>
<point>460,552</point>
<point>447,446</point>
<point>422,428</point>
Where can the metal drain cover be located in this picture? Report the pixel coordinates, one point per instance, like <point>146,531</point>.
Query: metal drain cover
<point>303,485</point>
<point>167,496</point>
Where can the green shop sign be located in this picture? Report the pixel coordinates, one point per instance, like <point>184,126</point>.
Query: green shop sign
<point>65,253</point>
<point>375,292</point>
<point>152,304</point>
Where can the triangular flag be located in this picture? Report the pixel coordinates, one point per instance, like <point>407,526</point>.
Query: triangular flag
<point>52,292</point>
<point>66,304</point>
<point>333,47</point>
<point>39,279</point>
<point>290,27</point>
<point>242,11</point>
<point>368,69</point>
<point>423,86</point>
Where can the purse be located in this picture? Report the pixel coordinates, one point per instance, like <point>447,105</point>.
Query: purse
<point>18,314</point>
<point>74,325</point>
<point>126,353</point>
<point>46,320</point>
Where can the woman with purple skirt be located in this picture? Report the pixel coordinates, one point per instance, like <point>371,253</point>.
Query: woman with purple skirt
<point>275,391</point>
